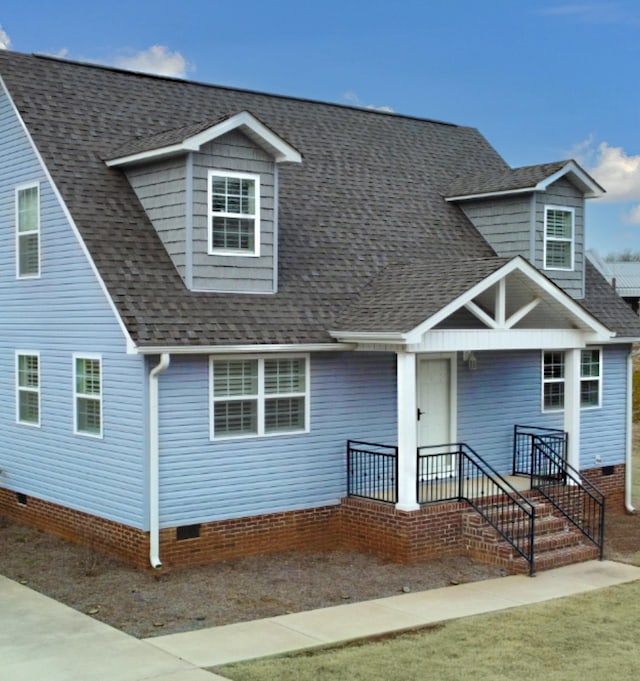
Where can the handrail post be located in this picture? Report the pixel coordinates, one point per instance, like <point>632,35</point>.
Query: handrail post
<point>460,482</point>
<point>348,468</point>
<point>532,538</point>
<point>601,528</point>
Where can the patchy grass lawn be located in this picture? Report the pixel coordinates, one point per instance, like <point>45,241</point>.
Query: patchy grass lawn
<point>583,638</point>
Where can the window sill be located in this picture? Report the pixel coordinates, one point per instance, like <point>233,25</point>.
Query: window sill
<point>231,438</point>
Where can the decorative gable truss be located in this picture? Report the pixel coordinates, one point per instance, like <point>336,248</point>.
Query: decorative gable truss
<point>514,307</point>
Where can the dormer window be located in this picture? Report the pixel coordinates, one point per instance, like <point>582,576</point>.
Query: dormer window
<point>234,213</point>
<point>558,238</point>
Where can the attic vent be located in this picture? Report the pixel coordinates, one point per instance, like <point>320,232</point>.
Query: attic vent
<point>187,532</point>
<point>21,498</point>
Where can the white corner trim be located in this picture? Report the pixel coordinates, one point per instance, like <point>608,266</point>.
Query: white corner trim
<point>280,149</point>
<point>129,341</point>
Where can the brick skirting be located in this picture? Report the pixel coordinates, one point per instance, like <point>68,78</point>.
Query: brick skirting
<point>406,537</point>
<point>610,481</point>
<point>105,536</point>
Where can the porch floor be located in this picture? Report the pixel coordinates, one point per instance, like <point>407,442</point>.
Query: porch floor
<point>441,490</point>
<point>474,488</point>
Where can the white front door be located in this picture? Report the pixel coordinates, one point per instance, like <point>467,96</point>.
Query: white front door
<point>434,402</point>
<point>434,414</point>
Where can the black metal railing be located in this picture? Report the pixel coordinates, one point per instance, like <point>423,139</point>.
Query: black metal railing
<point>523,438</point>
<point>456,472</point>
<point>577,499</point>
<point>372,471</point>
<point>541,453</point>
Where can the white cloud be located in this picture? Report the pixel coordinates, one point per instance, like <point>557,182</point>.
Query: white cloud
<point>352,98</point>
<point>5,40</point>
<point>618,172</point>
<point>158,59</point>
<point>593,12</point>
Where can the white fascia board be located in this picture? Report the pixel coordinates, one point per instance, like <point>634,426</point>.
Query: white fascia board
<point>240,349</point>
<point>369,337</point>
<point>452,340</point>
<point>591,188</point>
<point>281,150</point>
<point>621,340</point>
<point>488,195</point>
<point>150,155</point>
<point>130,345</point>
<point>520,264</point>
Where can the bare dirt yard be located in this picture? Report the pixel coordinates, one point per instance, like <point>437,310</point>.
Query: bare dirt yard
<point>145,604</point>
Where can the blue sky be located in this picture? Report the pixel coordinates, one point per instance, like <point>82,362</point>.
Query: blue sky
<point>543,80</point>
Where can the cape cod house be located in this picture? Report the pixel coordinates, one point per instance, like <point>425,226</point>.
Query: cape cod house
<point>234,323</point>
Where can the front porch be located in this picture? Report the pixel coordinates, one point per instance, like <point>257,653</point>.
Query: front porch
<point>532,511</point>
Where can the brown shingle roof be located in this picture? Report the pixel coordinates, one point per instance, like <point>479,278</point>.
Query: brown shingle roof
<point>505,180</point>
<point>368,194</point>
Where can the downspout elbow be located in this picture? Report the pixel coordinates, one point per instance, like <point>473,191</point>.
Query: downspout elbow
<point>154,461</point>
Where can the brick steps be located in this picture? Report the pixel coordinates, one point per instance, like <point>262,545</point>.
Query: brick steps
<point>557,542</point>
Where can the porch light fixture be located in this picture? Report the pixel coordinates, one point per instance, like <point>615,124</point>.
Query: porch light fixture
<point>469,357</point>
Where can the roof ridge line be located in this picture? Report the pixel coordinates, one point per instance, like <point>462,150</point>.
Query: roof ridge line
<point>309,100</point>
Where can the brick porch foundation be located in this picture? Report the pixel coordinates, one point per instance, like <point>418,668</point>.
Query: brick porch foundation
<point>405,537</point>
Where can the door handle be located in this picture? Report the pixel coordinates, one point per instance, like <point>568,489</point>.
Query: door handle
<point>420,413</point>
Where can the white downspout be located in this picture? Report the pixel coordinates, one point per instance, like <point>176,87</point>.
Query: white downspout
<point>154,462</point>
<point>628,469</point>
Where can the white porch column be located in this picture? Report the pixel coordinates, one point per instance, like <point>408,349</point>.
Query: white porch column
<point>407,431</point>
<point>572,404</point>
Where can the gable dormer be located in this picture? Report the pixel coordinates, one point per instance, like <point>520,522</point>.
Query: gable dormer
<point>210,190</point>
<point>537,212</point>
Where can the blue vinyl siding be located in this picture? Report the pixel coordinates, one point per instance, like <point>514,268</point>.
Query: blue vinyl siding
<point>603,431</point>
<point>505,389</point>
<point>62,312</point>
<point>352,396</point>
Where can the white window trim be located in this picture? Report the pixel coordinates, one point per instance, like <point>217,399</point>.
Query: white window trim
<point>255,253</point>
<point>19,388</point>
<point>76,395</point>
<point>261,396</point>
<point>600,380</point>
<point>545,381</point>
<point>548,239</point>
<point>591,378</point>
<point>18,189</point>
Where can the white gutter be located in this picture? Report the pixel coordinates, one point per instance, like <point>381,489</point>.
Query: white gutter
<point>628,469</point>
<point>239,349</point>
<point>154,462</point>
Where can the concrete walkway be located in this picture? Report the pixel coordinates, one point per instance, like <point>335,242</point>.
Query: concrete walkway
<point>42,639</point>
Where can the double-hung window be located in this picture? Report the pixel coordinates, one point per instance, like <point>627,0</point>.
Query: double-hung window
<point>87,381</point>
<point>590,378</point>
<point>553,379</point>
<point>234,213</point>
<point>259,396</point>
<point>559,229</point>
<point>28,388</point>
<point>28,231</point>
